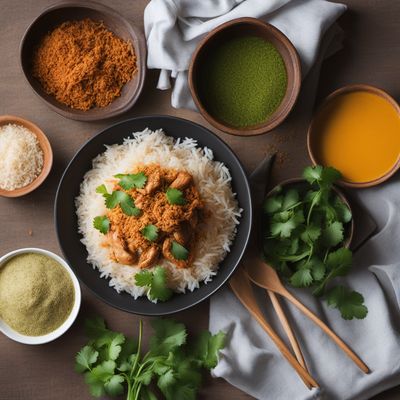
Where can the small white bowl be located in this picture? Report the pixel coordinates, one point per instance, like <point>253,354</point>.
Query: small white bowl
<point>18,337</point>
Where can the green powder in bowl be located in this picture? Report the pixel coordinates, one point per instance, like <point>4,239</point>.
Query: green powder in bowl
<point>243,81</point>
<point>36,294</point>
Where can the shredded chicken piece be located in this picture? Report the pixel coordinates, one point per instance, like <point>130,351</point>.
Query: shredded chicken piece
<point>117,249</point>
<point>183,180</point>
<point>149,257</point>
<point>183,234</point>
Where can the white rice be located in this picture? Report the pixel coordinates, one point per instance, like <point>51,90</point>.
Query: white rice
<point>212,179</point>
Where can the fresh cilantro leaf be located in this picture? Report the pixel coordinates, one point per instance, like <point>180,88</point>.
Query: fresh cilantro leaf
<point>144,278</point>
<point>285,229</point>
<point>168,336</point>
<point>290,199</point>
<point>159,289</point>
<point>310,234</point>
<point>166,382</point>
<point>96,386</point>
<point>129,181</point>
<point>146,377</point>
<point>207,348</point>
<point>185,392</point>
<point>156,282</point>
<point>114,386</point>
<point>150,232</point>
<point>312,174</point>
<point>349,303</point>
<point>273,204</point>
<point>115,198</point>
<point>318,268</point>
<point>332,235</point>
<point>104,371</point>
<point>115,346</point>
<point>178,251</point>
<point>342,211</point>
<point>339,261</point>
<point>175,196</point>
<point>301,278</point>
<point>329,176</point>
<point>98,376</point>
<point>324,176</point>
<point>85,358</point>
<point>102,190</point>
<point>125,201</point>
<point>101,223</point>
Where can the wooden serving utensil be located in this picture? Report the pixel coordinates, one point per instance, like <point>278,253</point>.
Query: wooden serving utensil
<point>287,328</point>
<point>241,286</point>
<point>265,276</point>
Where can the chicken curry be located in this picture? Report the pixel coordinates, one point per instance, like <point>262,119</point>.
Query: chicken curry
<point>152,214</point>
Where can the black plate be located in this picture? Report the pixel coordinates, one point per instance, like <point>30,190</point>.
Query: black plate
<point>67,225</point>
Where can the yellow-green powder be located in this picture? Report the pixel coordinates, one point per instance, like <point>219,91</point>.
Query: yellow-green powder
<point>36,294</point>
<point>243,81</point>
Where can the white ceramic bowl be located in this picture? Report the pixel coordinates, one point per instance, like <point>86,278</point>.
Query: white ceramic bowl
<point>11,333</point>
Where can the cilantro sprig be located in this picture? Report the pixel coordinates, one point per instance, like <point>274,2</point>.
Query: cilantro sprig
<point>178,251</point>
<point>305,229</point>
<point>101,223</point>
<point>175,196</point>
<point>113,364</point>
<point>156,283</point>
<point>130,181</point>
<point>150,232</point>
<point>121,198</point>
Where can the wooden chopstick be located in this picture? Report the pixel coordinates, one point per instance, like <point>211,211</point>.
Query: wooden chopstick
<point>287,328</point>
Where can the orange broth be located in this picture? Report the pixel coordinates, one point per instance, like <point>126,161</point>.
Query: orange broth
<point>358,133</point>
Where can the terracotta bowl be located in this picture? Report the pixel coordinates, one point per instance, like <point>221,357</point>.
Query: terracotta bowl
<point>47,153</point>
<point>245,27</point>
<point>67,11</point>
<point>312,133</point>
<point>300,182</point>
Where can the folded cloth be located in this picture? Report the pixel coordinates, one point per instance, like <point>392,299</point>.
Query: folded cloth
<point>173,29</point>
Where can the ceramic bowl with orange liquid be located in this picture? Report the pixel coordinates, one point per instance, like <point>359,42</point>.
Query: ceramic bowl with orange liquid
<point>357,131</point>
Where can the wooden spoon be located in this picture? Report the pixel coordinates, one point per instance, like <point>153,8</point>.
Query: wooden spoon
<point>265,276</point>
<point>243,290</point>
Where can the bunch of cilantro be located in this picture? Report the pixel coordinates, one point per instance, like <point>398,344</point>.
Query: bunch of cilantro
<point>305,228</point>
<point>113,364</point>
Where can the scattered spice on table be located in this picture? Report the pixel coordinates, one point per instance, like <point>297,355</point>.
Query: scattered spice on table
<point>36,294</point>
<point>21,157</point>
<point>83,64</point>
<point>245,81</point>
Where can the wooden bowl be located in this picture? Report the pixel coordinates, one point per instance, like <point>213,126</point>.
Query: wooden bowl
<point>299,182</point>
<point>47,155</point>
<point>247,27</point>
<point>312,132</point>
<point>67,11</point>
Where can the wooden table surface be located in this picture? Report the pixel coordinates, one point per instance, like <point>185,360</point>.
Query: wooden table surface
<point>371,55</point>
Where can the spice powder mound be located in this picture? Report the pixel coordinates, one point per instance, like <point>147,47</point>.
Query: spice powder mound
<point>83,64</point>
